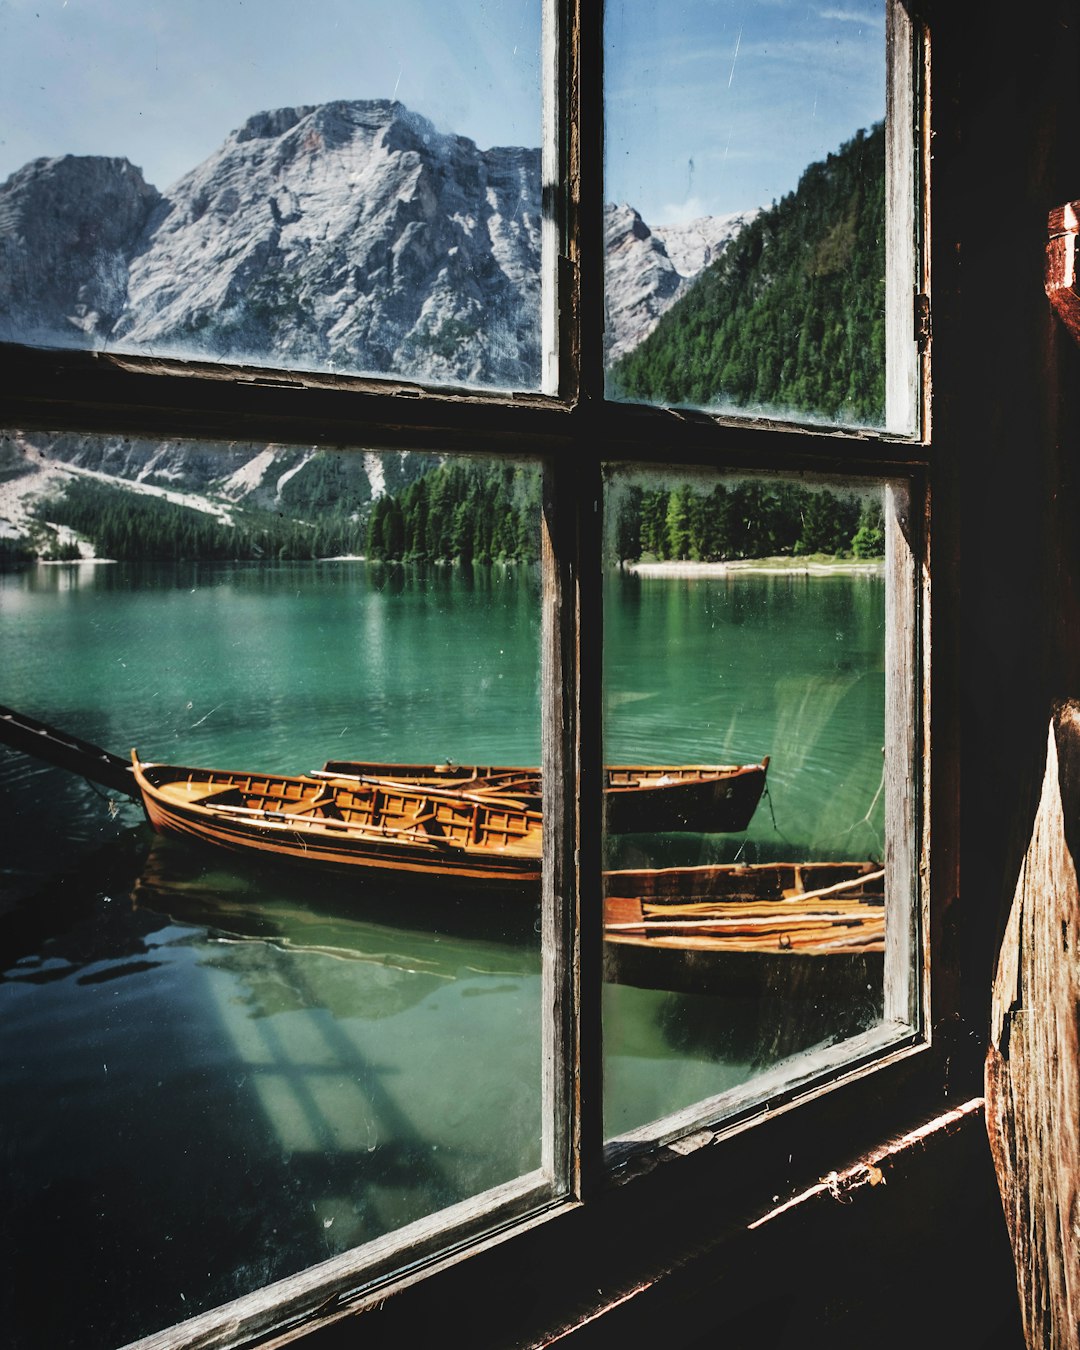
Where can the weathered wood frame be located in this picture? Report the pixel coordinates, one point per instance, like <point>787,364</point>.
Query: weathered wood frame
<point>572,430</point>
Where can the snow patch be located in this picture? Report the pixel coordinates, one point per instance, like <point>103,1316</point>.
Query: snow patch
<point>294,470</point>
<point>250,474</point>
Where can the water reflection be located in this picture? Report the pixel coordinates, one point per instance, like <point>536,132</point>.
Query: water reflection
<point>185,1039</point>
<point>321,1064</point>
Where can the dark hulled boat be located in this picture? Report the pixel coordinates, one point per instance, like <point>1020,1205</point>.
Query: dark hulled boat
<point>657,798</point>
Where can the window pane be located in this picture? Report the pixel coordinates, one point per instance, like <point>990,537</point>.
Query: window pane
<point>335,185</point>
<point>745,176</point>
<point>744,654</point>
<point>291,1044</point>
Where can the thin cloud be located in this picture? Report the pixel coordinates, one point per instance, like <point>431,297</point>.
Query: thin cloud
<point>681,213</point>
<point>868,19</point>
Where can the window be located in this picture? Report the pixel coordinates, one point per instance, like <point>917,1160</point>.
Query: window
<point>333,234</point>
<point>748,938</point>
<point>745,176</point>
<point>477,397</point>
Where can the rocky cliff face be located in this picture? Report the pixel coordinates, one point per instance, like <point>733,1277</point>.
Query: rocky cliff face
<point>68,230</point>
<point>351,236</point>
<point>647,270</point>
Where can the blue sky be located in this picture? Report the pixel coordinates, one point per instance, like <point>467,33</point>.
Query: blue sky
<point>164,81</point>
<point>713,105</point>
<point>718,105</point>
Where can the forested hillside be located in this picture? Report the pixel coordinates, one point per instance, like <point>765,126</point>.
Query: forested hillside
<point>130,526</point>
<point>474,511</point>
<point>791,317</point>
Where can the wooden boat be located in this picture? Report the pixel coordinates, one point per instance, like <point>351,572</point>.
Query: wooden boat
<point>395,832</point>
<point>480,828</point>
<point>706,798</point>
<point>656,798</point>
<point>704,928</point>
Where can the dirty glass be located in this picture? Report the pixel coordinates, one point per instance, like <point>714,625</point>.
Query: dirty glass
<point>744,737</point>
<point>267,1006</point>
<point>745,221</point>
<point>338,185</point>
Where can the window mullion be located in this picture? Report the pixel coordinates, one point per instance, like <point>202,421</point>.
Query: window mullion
<point>586,189</point>
<point>902,367</point>
<point>585,199</point>
<point>590,842</point>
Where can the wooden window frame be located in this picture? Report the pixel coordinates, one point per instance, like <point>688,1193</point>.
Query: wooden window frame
<point>573,431</point>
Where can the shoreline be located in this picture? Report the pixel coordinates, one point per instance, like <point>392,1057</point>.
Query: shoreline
<point>92,561</point>
<point>759,566</point>
<point>777,566</point>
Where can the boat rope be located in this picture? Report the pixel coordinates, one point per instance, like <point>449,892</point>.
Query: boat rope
<point>865,820</point>
<point>772,813</point>
<point>111,802</point>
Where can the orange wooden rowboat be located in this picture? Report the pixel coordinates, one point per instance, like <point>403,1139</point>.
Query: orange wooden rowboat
<point>817,908</point>
<point>483,827</point>
<point>810,930</point>
<point>395,832</point>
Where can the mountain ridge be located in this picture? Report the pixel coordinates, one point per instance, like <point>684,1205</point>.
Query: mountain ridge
<point>349,236</point>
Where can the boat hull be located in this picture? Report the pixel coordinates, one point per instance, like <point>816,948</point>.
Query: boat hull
<point>655,799</point>
<point>851,980</point>
<point>398,837</point>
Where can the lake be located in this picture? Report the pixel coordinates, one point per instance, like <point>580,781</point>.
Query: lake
<point>313,1064</point>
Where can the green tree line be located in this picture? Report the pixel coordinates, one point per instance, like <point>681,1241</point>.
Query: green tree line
<point>469,511</point>
<point>752,519</point>
<point>15,551</point>
<point>791,316</point>
<point>481,511</point>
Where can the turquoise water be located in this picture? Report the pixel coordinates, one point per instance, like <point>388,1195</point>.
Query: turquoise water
<point>312,1064</point>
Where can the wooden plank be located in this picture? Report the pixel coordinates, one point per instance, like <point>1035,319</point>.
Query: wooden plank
<point>902,367</point>
<point>903,762</point>
<point>26,734</point>
<point>1033,1064</point>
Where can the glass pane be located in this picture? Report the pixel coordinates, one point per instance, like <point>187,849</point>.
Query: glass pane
<point>745,176</point>
<point>283,1028</point>
<point>745,697</point>
<point>335,185</point>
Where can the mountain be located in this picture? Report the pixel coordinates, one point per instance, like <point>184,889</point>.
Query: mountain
<point>353,236</point>
<point>647,270</point>
<point>791,315</point>
<point>69,228</point>
<point>350,236</point>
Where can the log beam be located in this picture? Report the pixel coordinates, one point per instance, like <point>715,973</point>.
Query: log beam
<point>1033,1063</point>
